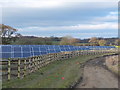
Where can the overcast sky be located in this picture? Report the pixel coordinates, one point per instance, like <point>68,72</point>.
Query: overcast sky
<point>78,18</point>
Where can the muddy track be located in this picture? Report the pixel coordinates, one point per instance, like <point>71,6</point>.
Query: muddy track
<point>97,75</point>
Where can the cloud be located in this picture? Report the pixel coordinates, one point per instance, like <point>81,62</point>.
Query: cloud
<point>31,3</point>
<point>49,3</point>
<point>0,14</point>
<point>60,0</point>
<point>77,35</point>
<point>105,29</point>
<point>114,13</point>
<point>112,16</point>
<point>60,18</point>
<point>100,26</point>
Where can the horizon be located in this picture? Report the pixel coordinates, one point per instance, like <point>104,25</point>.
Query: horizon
<point>66,36</point>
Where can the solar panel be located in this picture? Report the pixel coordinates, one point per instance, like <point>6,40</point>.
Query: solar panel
<point>26,54</point>
<point>6,55</point>
<point>20,51</point>
<point>42,49</point>
<point>17,55</point>
<point>36,49</point>
<point>26,49</point>
<point>43,53</point>
<point>57,51</point>
<point>62,49</point>
<point>51,51</point>
<point>16,49</point>
<point>6,49</point>
<point>36,53</point>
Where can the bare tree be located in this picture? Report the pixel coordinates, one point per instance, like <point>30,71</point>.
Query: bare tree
<point>102,42</point>
<point>6,31</point>
<point>93,40</point>
<point>68,40</point>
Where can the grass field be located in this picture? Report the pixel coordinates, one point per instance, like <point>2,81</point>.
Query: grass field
<point>59,74</point>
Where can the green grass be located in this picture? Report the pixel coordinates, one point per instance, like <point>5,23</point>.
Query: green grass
<point>50,75</point>
<point>55,42</point>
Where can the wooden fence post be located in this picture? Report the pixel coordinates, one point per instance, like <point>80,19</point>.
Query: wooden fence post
<point>35,63</point>
<point>18,68</point>
<point>43,62</point>
<point>9,69</point>
<point>38,63</point>
<point>25,67</point>
<point>29,66</point>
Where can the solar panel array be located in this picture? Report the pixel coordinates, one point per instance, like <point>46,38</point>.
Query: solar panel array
<point>21,51</point>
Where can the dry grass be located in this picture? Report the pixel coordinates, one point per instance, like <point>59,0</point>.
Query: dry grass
<point>112,63</point>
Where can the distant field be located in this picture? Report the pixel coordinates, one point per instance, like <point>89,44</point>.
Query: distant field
<point>59,74</point>
<point>55,42</point>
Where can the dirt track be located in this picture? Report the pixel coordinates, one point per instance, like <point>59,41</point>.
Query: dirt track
<point>96,75</point>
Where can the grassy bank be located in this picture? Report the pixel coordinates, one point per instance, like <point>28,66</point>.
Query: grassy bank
<point>113,64</point>
<point>59,74</point>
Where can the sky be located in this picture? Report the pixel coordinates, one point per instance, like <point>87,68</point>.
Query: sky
<point>77,18</point>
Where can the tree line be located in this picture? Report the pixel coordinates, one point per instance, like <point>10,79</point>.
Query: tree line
<point>9,35</point>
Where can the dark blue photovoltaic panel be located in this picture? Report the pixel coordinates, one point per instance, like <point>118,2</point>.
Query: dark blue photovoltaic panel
<point>26,54</point>
<point>42,53</point>
<point>67,49</point>
<point>32,53</point>
<point>17,55</point>
<point>6,49</point>
<point>26,49</point>
<point>6,55</point>
<point>36,49</point>
<point>17,49</point>
<point>62,49</point>
<point>43,49</point>
<point>56,47</point>
<point>36,53</point>
<point>51,48</point>
<point>57,51</point>
<point>51,51</point>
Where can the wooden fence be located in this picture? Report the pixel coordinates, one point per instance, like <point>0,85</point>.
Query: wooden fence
<point>19,68</point>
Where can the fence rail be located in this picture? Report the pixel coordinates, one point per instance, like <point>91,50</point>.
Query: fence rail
<point>19,68</point>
